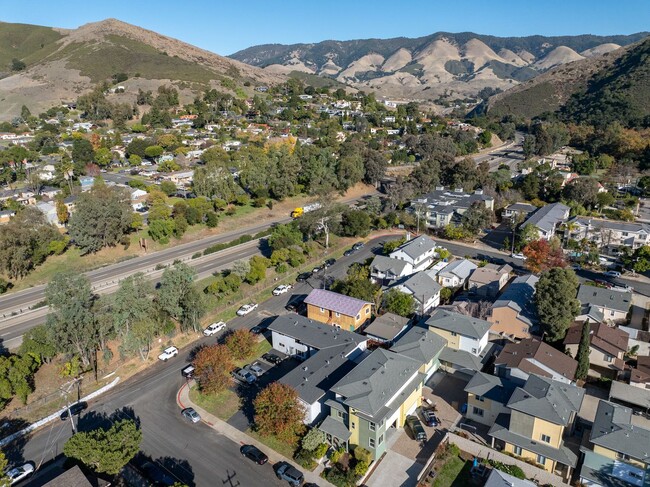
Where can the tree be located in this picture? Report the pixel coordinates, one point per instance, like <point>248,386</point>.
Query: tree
<point>556,302</point>
<point>399,303</point>
<point>106,450</point>
<point>102,217</point>
<point>212,367</point>
<point>103,156</point>
<point>284,236</point>
<point>258,266</point>
<point>62,212</point>
<point>241,344</point>
<point>541,256</point>
<point>477,217</point>
<point>279,413</point>
<point>357,284</point>
<point>313,439</point>
<point>82,152</point>
<point>604,199</point>
<point>176,285</point>
<point>355,223</point>
<point>153,151</point>
<point>17,65</point>
<point>168,187</point>
<point>584,191</point>
<point>241,268</point>
<point>37,341</point>
<point>132,302</point>
<point>17,377</point>
<point>583,352</point>
<point>638,261</point>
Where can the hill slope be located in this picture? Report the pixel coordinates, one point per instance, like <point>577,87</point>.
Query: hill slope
<point>455,65</point>
<point>61,65</point>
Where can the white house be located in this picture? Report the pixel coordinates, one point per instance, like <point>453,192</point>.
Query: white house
<point>456,273</point>
<point>424,288</point>
<point>462,332</point>
<point>420,252</point>
<point>386,270</point>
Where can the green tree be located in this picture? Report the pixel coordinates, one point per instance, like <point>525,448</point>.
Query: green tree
<point>17,65</point>
<point>153,151</point>
<point>398,303</point>
<point>556,301</point>
<point>212,367</point>
<point>82,152</point>
<point>313,439</point>
<point>62,212</point>
<point>279,413</point>
<point>103,157</point>
<point>38,342</point>
<point>284,236</point>
<point>177,295</point>
<point>241,344</point>
<point>132,302</point>
<point>638,261</point>
<point>106,450</point>
<point>258,266</point>
<point>604,199</point>
<point>357,284</point>
<point>168,187</point>
<point>476,218</point>
<point>355,223</point>
<point>583,352</point>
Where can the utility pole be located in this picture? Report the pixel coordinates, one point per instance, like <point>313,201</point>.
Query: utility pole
<point>65,392</point>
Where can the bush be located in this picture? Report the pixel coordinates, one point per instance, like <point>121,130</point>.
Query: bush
<point>360,469</point>
<point>281,268</point>
<point>321,451</point>
<point>362,455</point>
<point>336,455</point>
<point>196,255</point>
<point>305,459</point>
<point>212,219</point>
<point>513,470</point>
<point>4,285</point>
<point>313,439</point>
<point>259,202</point>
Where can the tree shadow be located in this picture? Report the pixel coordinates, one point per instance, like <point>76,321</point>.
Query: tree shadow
<point>14,451</point>
<point>95,419</point>
<point>162,470</point>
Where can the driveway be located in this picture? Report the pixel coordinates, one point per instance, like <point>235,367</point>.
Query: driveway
<point>395,470</point>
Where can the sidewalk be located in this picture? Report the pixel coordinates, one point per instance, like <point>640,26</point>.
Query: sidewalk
<point>183,401</point>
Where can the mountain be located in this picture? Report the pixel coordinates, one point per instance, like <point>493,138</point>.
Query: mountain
<point>611,86</point>
<point>62,64</point>
<point>439,66</point>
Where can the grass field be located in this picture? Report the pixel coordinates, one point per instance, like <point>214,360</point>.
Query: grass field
<point>273,443</point>
<point>454,473</point>
<point>223,405</point>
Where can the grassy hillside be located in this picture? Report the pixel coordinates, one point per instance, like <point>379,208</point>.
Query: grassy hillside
<point>29,43</point>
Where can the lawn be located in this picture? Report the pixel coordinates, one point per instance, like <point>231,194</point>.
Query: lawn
<point>454,473</point>
<point>273,443</point>
<point>260,349</point>
<point>223,405</point>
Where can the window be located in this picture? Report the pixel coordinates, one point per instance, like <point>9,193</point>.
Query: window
<point>546,438</point>
<point>338,315</point>
<point>339,413</point>
<point>358,317</point>
<point>517,450</point>
<point>381,439</point>
<point>371,442</point>
<point>322,310</point>
<point>480,398</point>
<point>367,311</point>
<point>473,350</point>
<point>453,333</point>
<point>622,456</point>
<point>611,313</point>
<point>477,411</point>
<point>353,425</point>
<point>608,358</point>
<point>541,459</point>
<point>372,426</point>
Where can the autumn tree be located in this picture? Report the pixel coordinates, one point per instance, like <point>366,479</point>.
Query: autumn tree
<point>241,343</point>
<point>557,305</point>
<point>212,367</point>
<point>542,255</point>
<point>279,413</point>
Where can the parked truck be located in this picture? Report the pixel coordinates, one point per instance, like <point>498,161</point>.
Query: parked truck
<point>298,212</point>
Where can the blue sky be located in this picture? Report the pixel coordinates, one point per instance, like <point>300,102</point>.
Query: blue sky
<point>228,26</point>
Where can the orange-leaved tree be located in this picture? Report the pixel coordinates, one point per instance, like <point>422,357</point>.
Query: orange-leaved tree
<point>241,343</point>
<point>541,255</point>
<point>278,413</point>
<point>212,367</point>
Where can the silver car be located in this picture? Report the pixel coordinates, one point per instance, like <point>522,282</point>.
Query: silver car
<point>255,369</point>
<point>191,415</point>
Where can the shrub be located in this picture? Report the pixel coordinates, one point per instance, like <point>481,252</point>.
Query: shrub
<point>313,439</point>
<point>259,202</point>
<point>360,469</point>
<point>305,459</point>
<point>513,470</point>
<point>362,455</point>
<point>196,255</point>
<point>321,450</point>
<point>281,268</point>
<point>336,455</point>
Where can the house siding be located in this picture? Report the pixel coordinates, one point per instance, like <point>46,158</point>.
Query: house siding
<point>349,323</point>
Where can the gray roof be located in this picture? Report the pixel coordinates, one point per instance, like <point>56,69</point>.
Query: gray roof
<point>372,383</point>
<point>461,268</point>
<point>547,217</point>
<point>73,477</point>
<point>630,394</point>
<point>613,430</point>
<point>458,323</point>
<point>519,296</point>
<point>605,298</point>
<point>335,428</point>
<point>498,478</point>
<point>381,263</point>
<point>461,358</point>
<point>420,344</point>
<point>598,223</point>
<point>607,471</point>
<point>423,285</point>
<point>547,399</point>
<point>454,199</point>
<point>521,207</point>
<point>386,326</point>
<point>592,311</point>
<point>336,302</point>
<point>490,386</point>
<point>314,333</point>
<point>417,246</point>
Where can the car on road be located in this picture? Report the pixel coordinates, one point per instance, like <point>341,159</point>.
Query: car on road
<point>612,274</point>
<point>357,245</point>
<point>282,289</point>
<point>214,328</point>
<point>272,358</point>
<point>168,353</point>
<point>247,308</point>
<point>188,371</point>
<point>623,288</point>
<point>255,368</point>
<point>253,453</point>
<point>244,376</point>
<point>329,263</point>
<point>191,415</point>
<point>288,472</point>
<point>416,428</point>
<point>157,475</point>
<point>17,474</point>
<point>75,409</point>
<point>348,252</point>
<point>317,269</point>
<point>429,417</point>
<point>576,267</point>
<point>519,256</point>
<point>303,277</point>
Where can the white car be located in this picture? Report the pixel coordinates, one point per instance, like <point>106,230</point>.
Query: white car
<point>255,369</point>
<point>247,308</point>
<point>282,289</point>
<point>19,473</point>
<point>168,353</point>
<point>214,328</point>
<point>518,256</point>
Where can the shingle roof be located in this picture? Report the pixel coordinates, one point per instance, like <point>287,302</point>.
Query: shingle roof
<point>613,430</point>
<point>606,338</point>
<point>417,246</point>
<point>498,478</point>
<point>461,359</point>
<point>598,223</point>
<point>461,268</point>
<point>605,298</point>
<point>458,323</point>
<point>420,344</point>
<point>381,263</point>
<point>491,387</point>
<point>423,285</point>
<point>519,296</point>
<point>313,333</point>
<point>336,302</point>
<point>335,428</point>
<point>521,207</point>
<point>520,355</point>
<point>547,217</point>
<point>489,273</point>
<point>386,326</point>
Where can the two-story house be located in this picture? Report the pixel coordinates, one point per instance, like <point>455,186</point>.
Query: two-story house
<point>487,281</point>
<point>514,314</point>
<point>609,235</point>
<point>419,252</point>
<point>461,332</point>
<point>456,273</point>
<point>547,219</point>
<point>386,328</point>
<point>518,210</point>
<point>613,304</point>
<point>443,207</point>
<point>385,270</point>
<point>487,396</point>
<point>422,345</point>
<point>337,309</point>
<point>618,453</point>
<point>607,347</point>
<point>517,361</point>
<point>540,413</point>
<point>423,287</point>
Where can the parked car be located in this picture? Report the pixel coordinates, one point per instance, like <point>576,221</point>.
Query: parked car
<point>624,288</point>
<point>317,269</point>
<point>188,371</point>
<point>272,358</point>
<point>357,245</point>
<point>253,453</point>
<point>329,263</point>
<point>417,430</point>
<point>293,307</point>
<point>615,274</point>
<point>258,329</point>
<point>243,375</point>
<point>214,328</point>
<point>519,256</point>
<point>75,409</point>
<point>289,473</point>
<point>168,353</point>
<point>282,289</point>
<point>255,369</point>
<point>348,252</point>
<point>303,277</point>
<point>191,415</point>
<point>157,475</point>
<point>17,474</point>
<point>247,308</point>
<point>429,417</point>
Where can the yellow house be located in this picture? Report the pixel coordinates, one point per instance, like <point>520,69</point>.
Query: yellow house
<point>539,414</point>
<point>487,396</point>
<point>337,309</point>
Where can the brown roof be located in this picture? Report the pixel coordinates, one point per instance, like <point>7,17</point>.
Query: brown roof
<point>605,338</point>
<point>489,273</point>
<point>519,355</point>
<point>641,374</point>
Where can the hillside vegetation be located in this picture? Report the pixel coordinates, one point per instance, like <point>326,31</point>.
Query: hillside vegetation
<point>29,43</point>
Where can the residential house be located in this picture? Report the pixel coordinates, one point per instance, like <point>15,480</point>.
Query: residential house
<point>487,281</point>
<point>613,304</point>
<point>138,198</point>
<point>385,270</point>
<point>487,396</point>
<point>422,345</point>
<point>516,211</point>
<point>49,210</point>
<point>456,273</point>
<point>423,287</point>
<point>514,314</point>
<point>547,219</point>
<point>462,332</point>
<point>498,478</point>
<point>640,375</point>
<point>618,452</point>
<point>541,413</point>
<point>609,235</point>
<point>180,178</point>
<point>607,347</point>
<point>337,309</point>
<point>517,361</point>
<point>375,396</point>
<point>49,192</point>
<point>328,354</point>
<point>419,252</point>
<point>386,328</point>
<point>442,207</point>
